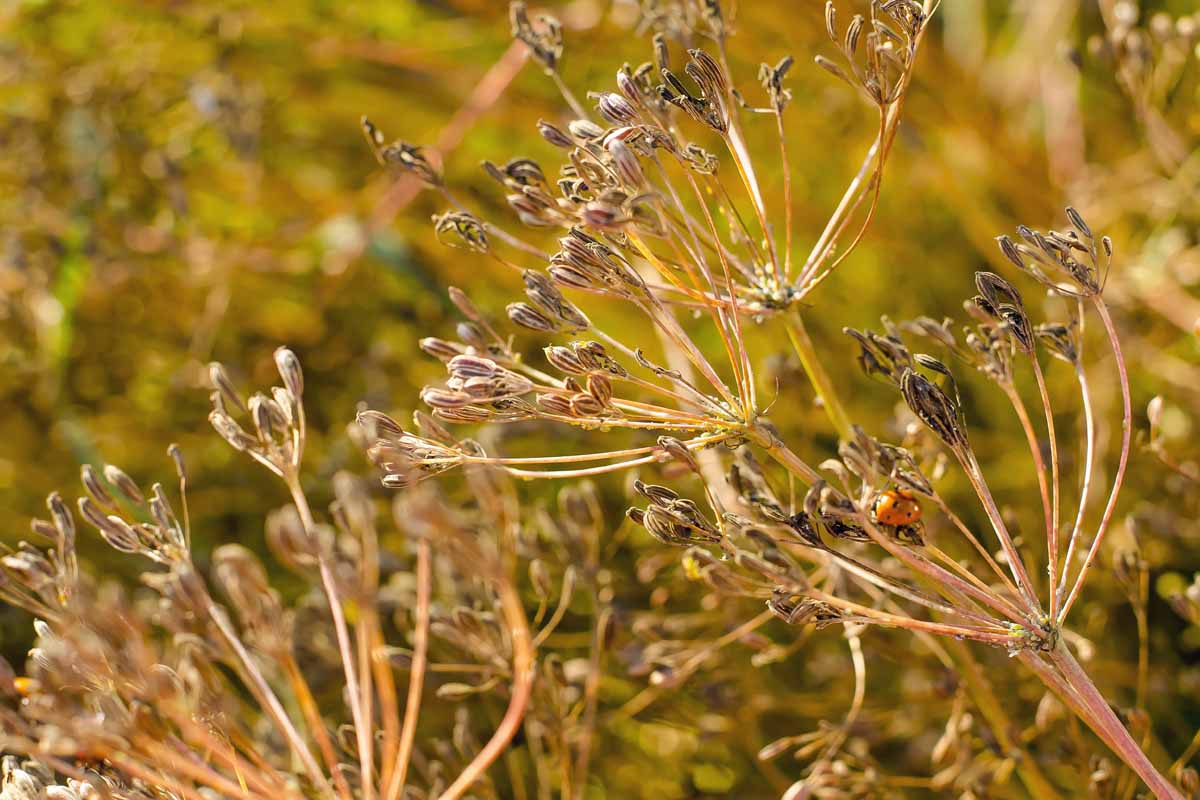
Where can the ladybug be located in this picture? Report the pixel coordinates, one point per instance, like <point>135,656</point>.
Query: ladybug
<point>896,507</point>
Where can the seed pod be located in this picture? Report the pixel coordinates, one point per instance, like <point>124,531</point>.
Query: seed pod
<point>616,109</point>
<point>584,405</point>
<point>555,135</point>
<point>564,360</point>
<point>124,485</point>
<point>95,488</point>
<point>467,366</point>
<point>600,388</point>
<point>442,398</point>
<point>412,158</point>
<point>64,523</point>
<point>586,130</point>
<point>289,369</point>
<point>625,163</point>
<point>678,451</point>
<point>440,348</point>
<point>458,229</point>
<point>221,382</point>
<point>1078,223</point>
<point>627,85</point>
<point>121,535</point>
<point>529,317</point>
<point>850,43</point>
<point>934,408</point>
<point>555,404</point>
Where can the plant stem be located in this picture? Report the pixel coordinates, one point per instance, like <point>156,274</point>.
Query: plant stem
<point>817,375</point>
<point>1055,485</point>
<point>1100,717</point>
<point>416,677</point>
<point>328,583</point>
<point>997,719</point>
<point>522,670</point>
<point>1119,479</point>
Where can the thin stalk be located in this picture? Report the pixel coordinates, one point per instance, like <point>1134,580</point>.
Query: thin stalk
<point>333,597</point>
<point>316,726</point>
<point>416,676</point>
<point>998,601</point>
<point>876,617</point>
<point>564,601</point>
<point>522,671</point>
<point>1055,485</point>
<point>739,359</point>
<point>817,376</point>
<point>1119,479</point>
<point>777,450</point>
<point>1039,463</point>
<point>786,169</point>
<point>591,702</point>
<point>1016,564</point>
<point>970,536</point>
<point>1089,457</point>
<point>741,158</point>
<point>389,707</point>
<point>576,107</point>
<point>266,695</point>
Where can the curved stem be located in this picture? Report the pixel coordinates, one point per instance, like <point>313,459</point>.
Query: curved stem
<point>341,630</point>
<point>263,691</point>
<point>1035,450</point>
<point>416,677</point>
<point>1015,563</point>
<point>1055,487</point>
<point>1126,430</point>
<point>514,615</point>
<point>1089,457</point>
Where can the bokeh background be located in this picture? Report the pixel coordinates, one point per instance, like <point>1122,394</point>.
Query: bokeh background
<point>185,181</point>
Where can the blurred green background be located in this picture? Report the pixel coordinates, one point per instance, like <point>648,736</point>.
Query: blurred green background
<point>183,182</point>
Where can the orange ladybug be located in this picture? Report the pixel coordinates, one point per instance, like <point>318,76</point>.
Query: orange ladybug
<point>896,507</point>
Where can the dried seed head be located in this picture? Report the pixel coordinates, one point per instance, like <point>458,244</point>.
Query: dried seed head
<point>881,355</point>
<point>564,360</point>
<point>931,405</point>
<point>1000,300</point>
<point>1059,341</point>
<point>544,39</point>
<point>121,535</point>
<point>600,388</point>
<point>461,230</point>
<point>585,405</point>
<point>467,366</point>
<point>625,163</point>
<point>64,523</point>
<point>772,81</point>
<point>444,398</point>
<point>439,348</point>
